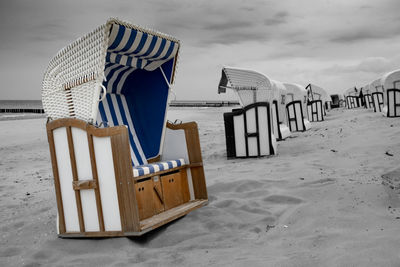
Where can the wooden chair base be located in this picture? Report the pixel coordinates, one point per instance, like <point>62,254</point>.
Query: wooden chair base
<point>97,193</point>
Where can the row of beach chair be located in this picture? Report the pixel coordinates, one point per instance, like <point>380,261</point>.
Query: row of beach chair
<point>120,168</point>
<point>270,111</point>
<point>382,95</point>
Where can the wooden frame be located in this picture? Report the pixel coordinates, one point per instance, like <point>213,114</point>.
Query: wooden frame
<point>314,115</point>
<point>230,134</point>
<point>376,96</point>
<point>368,102</point>
<point>131,223</point>
<point>298,128</point>
<point>275,108</point>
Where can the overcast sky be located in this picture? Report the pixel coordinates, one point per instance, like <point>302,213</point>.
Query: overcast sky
<point>335,44</point>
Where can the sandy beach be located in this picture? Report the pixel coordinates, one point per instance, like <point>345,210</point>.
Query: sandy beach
<point>319,202</point>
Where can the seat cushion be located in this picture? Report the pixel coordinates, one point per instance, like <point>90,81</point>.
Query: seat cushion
<point>156,167</point>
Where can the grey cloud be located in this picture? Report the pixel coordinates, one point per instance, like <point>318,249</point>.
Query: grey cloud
<point>373,65</point>
<point>349,37</point>
<point>227,25</point>
<point>278,18</point>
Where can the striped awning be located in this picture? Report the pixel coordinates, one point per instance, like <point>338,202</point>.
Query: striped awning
<point>129,46</point>
<point>251,86</point>
<point>139,70</point>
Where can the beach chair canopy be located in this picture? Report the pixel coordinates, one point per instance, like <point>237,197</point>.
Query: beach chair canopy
<point>376,86</point>
<point>366,89</point>
<point>297,92</point>
<point>251,86</point>
<point>282,100</point>
<point>318,93</point>
<point>130,68</point>
<point>390,80</point>
<point>353,91</point>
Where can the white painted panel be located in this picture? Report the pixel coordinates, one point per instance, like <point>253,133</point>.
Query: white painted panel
<point>175,148</point>
<point>84,169</point>
<point>65,176</point>
<point>175,145</point>
<point>390,105</point>
<point>107,184</point>
<point>264,130</point>
<point>190,182</point>
<point>397,102</point>
<point>309,112</point>
<point>274,120</point>
<point>89,210</point>
<point>290,112</point>
<point>251,120</point>
<point>299,119</point>
<point>319,110</point>
<point>240,145</point>
<point>251,128</point>
<point>252,145</point>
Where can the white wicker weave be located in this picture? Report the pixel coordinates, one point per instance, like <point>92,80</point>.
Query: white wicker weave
<point>73,80</point>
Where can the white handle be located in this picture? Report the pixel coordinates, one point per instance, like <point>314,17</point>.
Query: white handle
<point>104,93</point>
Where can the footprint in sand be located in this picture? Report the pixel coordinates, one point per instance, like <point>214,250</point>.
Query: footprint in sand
<point>248,186</point>
<point>9,252</point>
<point>228,203</point>
<point>281,199</point>
<point>320,182</point>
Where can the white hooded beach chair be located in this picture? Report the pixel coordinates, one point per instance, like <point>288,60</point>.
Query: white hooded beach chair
<point>280,118</point>
<point>317,98</point>
<point>249,130</point>
<point>352,98</point>
<point>368,102</point>
<point>391,99</point>
<point>377,92</point>
<point>119,168</point>
<point>318,93</point>
<point>296,107</point>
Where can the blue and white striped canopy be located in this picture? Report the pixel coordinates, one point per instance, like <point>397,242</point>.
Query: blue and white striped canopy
<point>139,69</point>
<point>139,49</point>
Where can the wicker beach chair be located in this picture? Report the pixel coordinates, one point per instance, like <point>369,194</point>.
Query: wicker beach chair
<point>250,131</point>
<point>296,108</point>
<point>377,90</point>
<point>352,98</point>
<point>119,168</point>
<point>368,102</point>
<point>391,99</point>
<point>318,102</point>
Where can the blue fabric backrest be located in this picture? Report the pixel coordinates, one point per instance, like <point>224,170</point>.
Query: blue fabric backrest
<point>113,110</point>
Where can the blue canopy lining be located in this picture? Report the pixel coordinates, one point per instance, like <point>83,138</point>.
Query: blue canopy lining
<point>137,91</point>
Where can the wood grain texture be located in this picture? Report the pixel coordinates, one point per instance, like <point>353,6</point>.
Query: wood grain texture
<point>60,208</point>
<point>75,178</point>
<point>84,184</point>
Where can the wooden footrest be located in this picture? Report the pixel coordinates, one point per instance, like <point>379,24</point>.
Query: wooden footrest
<point>169,215</point>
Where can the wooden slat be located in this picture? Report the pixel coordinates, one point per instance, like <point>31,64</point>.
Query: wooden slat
<point>84,184</point>
<point>185,186</point>
<point>57,187</point>
<point>92,234</point>
<point>95,177</point>
<point>170,215</point>
<point>123,204</point>
<point>144,197</point>
<point>75,178</point>
<point>172,190</point>
<point>123,174</point>
<point>194,151</point>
